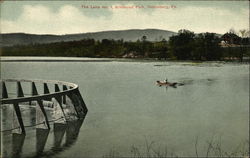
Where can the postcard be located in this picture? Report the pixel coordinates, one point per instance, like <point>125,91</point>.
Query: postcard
<point>124,79</point>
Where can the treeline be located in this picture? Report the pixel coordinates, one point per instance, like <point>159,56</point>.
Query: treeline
<point>207,46</point>
<point>89,48</point>
<point>184,46</point>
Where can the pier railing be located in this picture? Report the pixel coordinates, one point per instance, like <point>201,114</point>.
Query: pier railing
<point>65,97</point>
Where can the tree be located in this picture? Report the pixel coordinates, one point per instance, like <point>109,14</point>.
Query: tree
<point>244,41</point>
<point>212,48</point>
<point>243,33</point>
<point>231,38</point>
<point>199,52</point>
<point>182,44</point>
<point>207,47</point>
<point>144,38</point>
<point>145,46</point>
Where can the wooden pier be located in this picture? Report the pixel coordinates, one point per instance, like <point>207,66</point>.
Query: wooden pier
<point>64,94</point>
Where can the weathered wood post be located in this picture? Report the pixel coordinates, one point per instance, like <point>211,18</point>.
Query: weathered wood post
<point>70,108</point>
<point>59,103</point>
<point>19,90</point>
<point>17,116</point>
<point>76,104</point>
<point>33,90</point>
<point>57,89</point>
<point>85,109</point>
<point>64,96</point>
<point>17,120</point>
<point>45,88</point>
<point>4,91</point>
<point>41,116</point>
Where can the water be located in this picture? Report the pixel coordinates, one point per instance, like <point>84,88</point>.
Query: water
<point>128,111</point>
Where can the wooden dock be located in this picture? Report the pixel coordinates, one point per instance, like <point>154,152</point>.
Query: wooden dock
<point>63,94</point>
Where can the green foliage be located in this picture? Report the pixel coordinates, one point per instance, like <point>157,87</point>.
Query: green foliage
<point>207,47</point>
<point>183,46</point>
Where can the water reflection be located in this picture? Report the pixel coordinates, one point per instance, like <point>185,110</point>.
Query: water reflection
<point>41,139</point>
<point>59,131</point>
<point>17,145</point>
<point>63,137</point>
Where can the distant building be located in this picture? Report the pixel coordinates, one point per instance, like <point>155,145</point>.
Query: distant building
<point>130,55</point>
<point>231,39</point>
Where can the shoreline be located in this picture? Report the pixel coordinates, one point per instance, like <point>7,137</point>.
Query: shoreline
<point>90,59</point>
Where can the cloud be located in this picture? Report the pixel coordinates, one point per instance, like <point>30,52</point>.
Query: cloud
<point>68,19</point>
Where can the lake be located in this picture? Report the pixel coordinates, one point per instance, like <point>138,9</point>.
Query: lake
<point>129,115</point>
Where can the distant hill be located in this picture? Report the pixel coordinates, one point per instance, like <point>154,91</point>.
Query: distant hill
<point>11,39</point>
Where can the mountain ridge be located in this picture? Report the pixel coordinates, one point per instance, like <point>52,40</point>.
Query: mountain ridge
<point>10,39</point>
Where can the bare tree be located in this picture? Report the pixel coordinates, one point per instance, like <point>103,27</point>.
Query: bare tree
<point>248,34</point>
<point>243,33</point>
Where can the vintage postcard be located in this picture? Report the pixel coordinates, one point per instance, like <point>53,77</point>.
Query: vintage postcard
<point>124,79</point>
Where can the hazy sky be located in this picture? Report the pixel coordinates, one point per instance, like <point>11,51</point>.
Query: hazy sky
<point>64,17</point>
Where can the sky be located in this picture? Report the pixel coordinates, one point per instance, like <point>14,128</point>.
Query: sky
<point>67,17</point>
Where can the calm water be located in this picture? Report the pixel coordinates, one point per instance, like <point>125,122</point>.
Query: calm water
<point>129,115</point>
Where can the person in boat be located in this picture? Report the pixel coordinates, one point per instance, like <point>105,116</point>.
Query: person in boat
<point>166,83</point>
